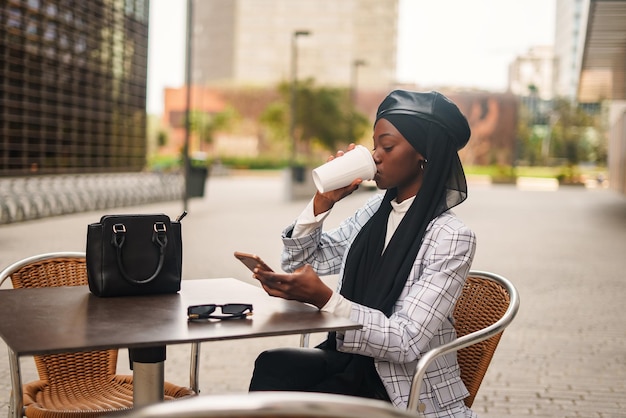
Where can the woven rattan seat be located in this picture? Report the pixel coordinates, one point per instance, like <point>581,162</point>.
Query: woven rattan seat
<point>82,384</point>
<point>487,305</point>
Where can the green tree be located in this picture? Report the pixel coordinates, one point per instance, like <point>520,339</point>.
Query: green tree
<point>568,130</point>
<point>530,135</point>
<point>324,116</point>
<point>563,130</point>
<point>275,119</point>
<point>162,138</point>
<point>206,125</point>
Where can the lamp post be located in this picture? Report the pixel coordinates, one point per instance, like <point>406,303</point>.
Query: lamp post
<point>353,92</point>
<point>294,88</point>
<point>186,161</point>
<point>545,144</point>
<point>353,78</point>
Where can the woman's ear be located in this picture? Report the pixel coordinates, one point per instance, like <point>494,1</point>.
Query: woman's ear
<point>421,161</point>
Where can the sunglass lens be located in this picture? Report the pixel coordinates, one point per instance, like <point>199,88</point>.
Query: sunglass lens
<point>202,310</point>
<point>234,308</point>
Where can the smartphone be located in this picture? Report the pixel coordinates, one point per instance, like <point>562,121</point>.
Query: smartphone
<point>252,260</point>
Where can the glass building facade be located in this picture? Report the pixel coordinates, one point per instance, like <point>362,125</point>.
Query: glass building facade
<point>73,86</point>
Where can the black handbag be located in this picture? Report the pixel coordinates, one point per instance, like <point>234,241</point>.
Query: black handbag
<point>131,255</point>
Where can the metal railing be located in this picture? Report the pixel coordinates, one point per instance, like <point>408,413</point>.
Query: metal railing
<point>27,198</point>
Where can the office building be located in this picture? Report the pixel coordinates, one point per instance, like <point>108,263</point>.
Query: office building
<point>603,76</point>
<point>570,29</point>
<point>73,86</point>
<point>259,42</point>
<point>534,73</point>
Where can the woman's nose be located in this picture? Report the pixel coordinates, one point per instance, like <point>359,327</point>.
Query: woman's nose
<point>375,157</point>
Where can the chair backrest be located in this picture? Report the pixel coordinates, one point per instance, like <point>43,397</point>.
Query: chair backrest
<point>47,270</point>
<point>487,305</point>
<point>272,405</point>
<point>51,270</point>
<point>482,303</point>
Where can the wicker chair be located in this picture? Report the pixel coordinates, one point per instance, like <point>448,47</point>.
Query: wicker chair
<point>82,384</point>
<point>487,305</point>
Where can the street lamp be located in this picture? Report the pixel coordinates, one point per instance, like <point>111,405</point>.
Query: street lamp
<point>353,79</point>
<point>188,49</point>
<point>294,87</point>
<point>353,89</point>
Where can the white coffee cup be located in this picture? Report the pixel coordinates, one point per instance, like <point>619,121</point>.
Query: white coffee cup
<point>341,171</point>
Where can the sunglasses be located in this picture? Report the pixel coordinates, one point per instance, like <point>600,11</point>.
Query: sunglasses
<point>229,311</point>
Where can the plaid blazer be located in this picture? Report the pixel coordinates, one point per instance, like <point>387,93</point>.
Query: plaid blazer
<point>422,316</point>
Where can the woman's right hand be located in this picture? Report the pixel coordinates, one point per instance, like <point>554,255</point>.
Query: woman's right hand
<point>303,285</point>
<point>323,202</point>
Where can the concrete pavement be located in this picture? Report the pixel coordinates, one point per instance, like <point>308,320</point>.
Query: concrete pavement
<point>564,249</point>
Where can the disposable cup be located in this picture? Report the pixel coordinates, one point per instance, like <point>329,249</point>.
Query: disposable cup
<point>341,171</point>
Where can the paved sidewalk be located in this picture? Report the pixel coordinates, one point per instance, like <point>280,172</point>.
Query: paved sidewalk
<point>564,249</point>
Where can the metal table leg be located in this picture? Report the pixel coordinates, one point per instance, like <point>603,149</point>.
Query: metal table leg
<point>148,366</point>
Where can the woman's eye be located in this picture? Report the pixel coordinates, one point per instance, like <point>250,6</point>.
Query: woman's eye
<point>386,149</point>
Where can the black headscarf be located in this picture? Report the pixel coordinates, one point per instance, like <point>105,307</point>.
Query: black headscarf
<point>437,129</point>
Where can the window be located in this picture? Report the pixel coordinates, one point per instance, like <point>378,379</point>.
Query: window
<point>15,18</point>
<point>51,9</point>
<point>50,52</point>
<point>32,27</point>
<point>129,7</point>
<point>67,16</point>
<point>32,47</point>
<point>81,45</point>
<point>140,11</point>
<point>63,41</point>
<point>50,32</point>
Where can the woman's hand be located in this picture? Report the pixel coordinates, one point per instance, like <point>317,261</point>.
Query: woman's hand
<point>325,201</point>
<point>304,285</point>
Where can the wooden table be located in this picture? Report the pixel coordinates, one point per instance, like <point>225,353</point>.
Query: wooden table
<point>63,319</point>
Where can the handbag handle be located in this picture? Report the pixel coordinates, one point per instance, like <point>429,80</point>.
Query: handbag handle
<point>159,238</point>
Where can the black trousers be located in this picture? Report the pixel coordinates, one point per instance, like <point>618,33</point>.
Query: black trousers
<point>317,370</point>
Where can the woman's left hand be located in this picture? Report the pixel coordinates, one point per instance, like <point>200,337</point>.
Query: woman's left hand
<point>303,285</point>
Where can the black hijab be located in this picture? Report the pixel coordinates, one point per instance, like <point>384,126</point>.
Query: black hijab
<point>437,129</point>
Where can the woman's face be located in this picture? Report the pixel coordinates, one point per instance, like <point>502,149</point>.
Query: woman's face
<point>398,164</point>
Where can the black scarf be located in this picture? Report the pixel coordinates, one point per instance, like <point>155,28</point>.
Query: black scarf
<point>375,278</point>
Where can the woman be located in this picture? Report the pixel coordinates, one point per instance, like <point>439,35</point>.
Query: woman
<point>402,260</point>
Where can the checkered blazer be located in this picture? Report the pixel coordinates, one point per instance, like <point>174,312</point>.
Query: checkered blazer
<point>422,316</point>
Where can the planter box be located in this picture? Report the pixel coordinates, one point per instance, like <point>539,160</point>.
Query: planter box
<point>196,181</point>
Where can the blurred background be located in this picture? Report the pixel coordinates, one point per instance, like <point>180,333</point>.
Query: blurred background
<point>108,90</point>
